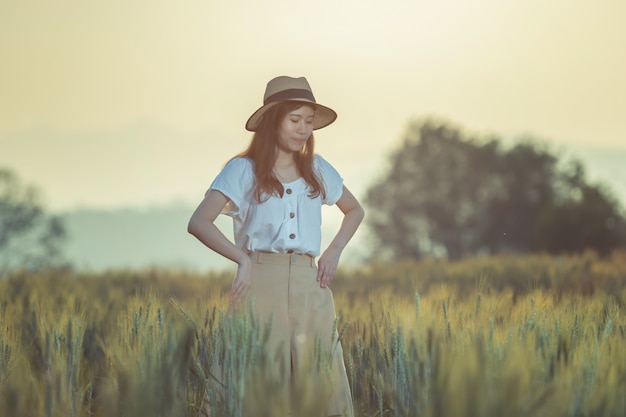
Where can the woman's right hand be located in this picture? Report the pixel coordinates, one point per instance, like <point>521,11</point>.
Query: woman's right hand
<point>242,282</point>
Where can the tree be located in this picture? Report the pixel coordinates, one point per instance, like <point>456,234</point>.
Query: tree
<point>29,238</point>
<point>528,177</point>
<point>589,220</point>
<point>428,203</point>
<point>447,194</point>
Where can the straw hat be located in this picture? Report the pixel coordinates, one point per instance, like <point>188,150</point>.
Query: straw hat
<point>285,88</point>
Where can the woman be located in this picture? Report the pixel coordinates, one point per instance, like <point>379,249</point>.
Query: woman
<point>274,192</point>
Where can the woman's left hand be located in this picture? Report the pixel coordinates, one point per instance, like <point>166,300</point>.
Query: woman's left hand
<point>353,214</point>
<point>327,266</point>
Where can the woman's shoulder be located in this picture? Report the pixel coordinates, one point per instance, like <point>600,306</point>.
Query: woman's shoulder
<point>320,163</point>
<point>237,170</point>
<point>333,182</point>
<point>239,164</point>
<point>318,160</point>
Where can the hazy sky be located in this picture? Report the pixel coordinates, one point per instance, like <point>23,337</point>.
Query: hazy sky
<point>126,103</point>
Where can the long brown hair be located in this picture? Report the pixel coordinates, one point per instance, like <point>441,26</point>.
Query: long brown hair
<point>263,151</point>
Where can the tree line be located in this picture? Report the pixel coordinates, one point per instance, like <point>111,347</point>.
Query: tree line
<point>447,194</point>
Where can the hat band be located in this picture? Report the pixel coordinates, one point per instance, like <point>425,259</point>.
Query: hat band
<point>291,94</point>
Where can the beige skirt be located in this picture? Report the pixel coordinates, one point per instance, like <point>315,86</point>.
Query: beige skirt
<point>294,319</point>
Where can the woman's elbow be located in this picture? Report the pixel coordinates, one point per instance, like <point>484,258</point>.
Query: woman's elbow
<point>361,213</point>
<point>357,212</point>
<point>193,226</point>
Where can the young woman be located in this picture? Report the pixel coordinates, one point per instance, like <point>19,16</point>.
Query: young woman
<point>274,192</point>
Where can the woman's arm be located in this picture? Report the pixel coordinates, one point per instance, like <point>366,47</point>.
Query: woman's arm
<point>353,215</point>
<point>202,226</point>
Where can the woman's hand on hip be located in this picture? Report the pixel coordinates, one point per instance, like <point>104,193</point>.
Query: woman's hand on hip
<point>242,283</point>
<point>327,266</point>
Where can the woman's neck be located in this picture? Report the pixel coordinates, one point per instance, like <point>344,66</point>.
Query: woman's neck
<point>285,168</point>
<point>284,159</point>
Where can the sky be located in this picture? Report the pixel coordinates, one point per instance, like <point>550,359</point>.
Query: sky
<point>129,103</point>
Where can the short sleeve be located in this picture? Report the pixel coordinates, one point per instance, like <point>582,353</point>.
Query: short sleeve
<point>333,182</point>
<point>235,181</point>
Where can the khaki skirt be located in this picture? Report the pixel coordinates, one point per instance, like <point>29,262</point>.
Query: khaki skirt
<point>295,320</point>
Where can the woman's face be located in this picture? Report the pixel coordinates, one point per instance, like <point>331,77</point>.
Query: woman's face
<point>296,129</point>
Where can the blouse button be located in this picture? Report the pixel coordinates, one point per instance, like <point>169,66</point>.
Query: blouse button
<point>292,236</point>
<point>288,191</point>
<point>292,215</point>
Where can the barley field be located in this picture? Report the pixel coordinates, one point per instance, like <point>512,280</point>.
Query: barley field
<point>503,336</point>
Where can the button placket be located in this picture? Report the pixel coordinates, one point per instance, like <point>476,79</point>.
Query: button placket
<point>291,225</point>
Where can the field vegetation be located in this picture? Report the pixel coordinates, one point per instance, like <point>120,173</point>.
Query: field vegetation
<point>498,336</point>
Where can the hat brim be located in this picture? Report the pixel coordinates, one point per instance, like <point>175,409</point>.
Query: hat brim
<point>323,115</point>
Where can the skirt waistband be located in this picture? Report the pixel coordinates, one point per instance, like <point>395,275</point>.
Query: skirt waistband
<point>282,258</point>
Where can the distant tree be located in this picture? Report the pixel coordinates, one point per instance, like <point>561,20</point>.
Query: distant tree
<point>529,181</point>
<point>447,194</point>
<point>29,238</point>
<point>589,219</point>
<point>431,199</point>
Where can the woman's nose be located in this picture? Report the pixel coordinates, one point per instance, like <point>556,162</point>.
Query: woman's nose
<point>302,126</point>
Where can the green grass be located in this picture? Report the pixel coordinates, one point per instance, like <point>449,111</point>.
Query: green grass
<point>507,336</point>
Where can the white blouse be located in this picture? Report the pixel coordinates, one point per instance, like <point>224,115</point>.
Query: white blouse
<point>288,224</point>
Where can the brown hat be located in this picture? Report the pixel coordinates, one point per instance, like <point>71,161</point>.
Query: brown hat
<point>285,88</point>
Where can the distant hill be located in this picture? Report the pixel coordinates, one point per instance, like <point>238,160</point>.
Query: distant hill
<point>141,238</point>
<point>138,238</point>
